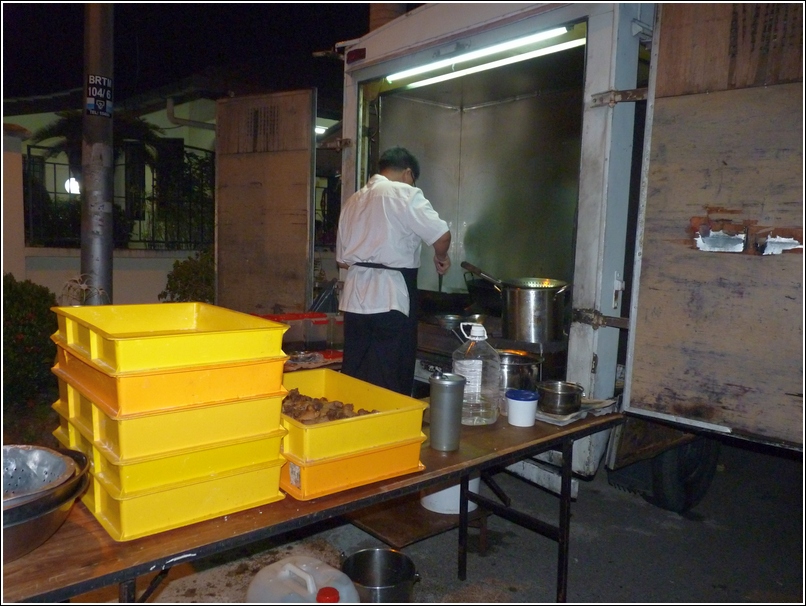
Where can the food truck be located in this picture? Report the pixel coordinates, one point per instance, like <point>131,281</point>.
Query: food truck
<point>649,156</point>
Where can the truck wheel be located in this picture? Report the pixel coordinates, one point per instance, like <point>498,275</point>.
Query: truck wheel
<point>681,475</point>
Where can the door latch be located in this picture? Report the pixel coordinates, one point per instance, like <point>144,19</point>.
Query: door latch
<point>596,319</point>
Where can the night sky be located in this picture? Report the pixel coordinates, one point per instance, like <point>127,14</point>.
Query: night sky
<point>156,44</point>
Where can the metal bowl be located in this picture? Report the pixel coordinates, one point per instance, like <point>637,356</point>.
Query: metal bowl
<point>559,397</point>
<point>47,500</point>
<point>26,535</point>
<point>31,471</point>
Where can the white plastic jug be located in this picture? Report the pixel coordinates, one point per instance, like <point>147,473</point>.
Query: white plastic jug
<point>300,579</point>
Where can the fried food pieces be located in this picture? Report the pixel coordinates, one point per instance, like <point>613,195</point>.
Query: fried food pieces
<point>310,410</point>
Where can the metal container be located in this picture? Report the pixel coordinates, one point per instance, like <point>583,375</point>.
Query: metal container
<point>28,524</point>
<point>536,310</point>
<point>520,369</point>
<point>382,575</point>
<point>447,391</point>
<point>559,397</point>
<point>31,471</point>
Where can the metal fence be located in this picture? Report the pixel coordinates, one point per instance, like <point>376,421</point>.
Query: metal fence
<point>168,204</point>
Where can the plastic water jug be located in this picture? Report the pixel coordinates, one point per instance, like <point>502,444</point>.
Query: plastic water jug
<point>478,362</point>
<point>301,579</point>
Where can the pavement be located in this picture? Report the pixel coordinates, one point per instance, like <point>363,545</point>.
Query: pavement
<point>742,544</point>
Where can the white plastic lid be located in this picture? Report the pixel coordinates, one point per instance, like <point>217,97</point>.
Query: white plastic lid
<point>477,331</point>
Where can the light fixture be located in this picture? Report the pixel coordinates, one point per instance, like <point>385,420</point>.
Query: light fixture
<point>484,52</point>
<point>499,63</point>
<point>320,130</point>
<point>71,186</point>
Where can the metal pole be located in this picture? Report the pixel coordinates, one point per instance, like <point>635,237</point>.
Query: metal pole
<point>97,163</point>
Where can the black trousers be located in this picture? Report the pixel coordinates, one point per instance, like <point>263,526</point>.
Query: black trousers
<point>382,348</point>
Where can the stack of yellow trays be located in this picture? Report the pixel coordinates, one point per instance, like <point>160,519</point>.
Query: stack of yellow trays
<point>329,457</point>
<point>177,406</point>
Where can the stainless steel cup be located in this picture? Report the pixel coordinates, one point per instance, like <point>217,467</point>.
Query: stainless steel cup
<point>447,391</point>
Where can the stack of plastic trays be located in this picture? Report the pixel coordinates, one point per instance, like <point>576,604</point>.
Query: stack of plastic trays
<point>177,405</point>
<point>332,456</point>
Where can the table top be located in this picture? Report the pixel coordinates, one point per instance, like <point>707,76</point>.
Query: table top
<point>81,556</point>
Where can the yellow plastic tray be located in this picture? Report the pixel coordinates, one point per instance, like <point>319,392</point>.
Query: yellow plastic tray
<point>169,433</point>
<point>149,475</point>
<point>400,417</point>
<point>139,516</point>
<point>305,481</point>
<point>146,392</point>
<point>124,338</point>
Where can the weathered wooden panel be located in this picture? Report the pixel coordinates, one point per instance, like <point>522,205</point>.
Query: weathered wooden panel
<point>719,336</point>
<point>261,123</point>
<point>712,47</point>
<point>263,201</point>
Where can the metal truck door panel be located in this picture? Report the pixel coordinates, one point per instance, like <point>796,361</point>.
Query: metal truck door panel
<point>264,193</point>
<point>717,327</point>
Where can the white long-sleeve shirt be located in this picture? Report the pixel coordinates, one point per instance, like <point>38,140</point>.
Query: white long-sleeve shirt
<point>384,222</point>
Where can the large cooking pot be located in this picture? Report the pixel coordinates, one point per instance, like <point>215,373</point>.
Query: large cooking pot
<point>535,310</point>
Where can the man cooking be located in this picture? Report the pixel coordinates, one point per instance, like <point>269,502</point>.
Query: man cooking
<point>380,235</point>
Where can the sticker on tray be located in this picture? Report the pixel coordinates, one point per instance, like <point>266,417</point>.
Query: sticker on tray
<point>293,475</point>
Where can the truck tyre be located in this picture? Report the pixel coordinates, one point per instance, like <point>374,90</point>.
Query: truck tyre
<point>681,475</point>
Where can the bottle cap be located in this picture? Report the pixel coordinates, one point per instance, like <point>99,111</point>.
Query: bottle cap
<point>478,331</point>
<point>328,594</point>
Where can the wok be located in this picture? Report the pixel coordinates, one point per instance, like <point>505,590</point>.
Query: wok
<point>432,302</point>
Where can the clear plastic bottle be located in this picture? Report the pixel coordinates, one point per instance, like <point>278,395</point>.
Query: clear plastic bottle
<point>479,363</point>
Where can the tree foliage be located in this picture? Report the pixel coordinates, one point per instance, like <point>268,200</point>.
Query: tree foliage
<point>28,351</point>
<point>191,280</point>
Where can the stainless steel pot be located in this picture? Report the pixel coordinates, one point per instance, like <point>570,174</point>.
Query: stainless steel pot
<point>382,575</point>
<point>535,310</point>
<point>559,397</point>
<point>519,369</point>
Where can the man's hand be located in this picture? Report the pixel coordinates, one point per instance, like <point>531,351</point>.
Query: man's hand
<point>442,263</point>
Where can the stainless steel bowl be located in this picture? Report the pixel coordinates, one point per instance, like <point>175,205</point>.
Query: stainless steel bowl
<point>30,471</point>
<point>26,535</point>
<point>559,397</point>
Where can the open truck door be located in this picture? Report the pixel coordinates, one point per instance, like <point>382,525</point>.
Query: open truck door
<point>716,317</point>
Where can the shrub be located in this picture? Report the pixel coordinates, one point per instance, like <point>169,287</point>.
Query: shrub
<point>191,280</point>
<point>28,351</point>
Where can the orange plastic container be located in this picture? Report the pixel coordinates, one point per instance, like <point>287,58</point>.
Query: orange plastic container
<point>310,480</point>
<point>143,392</point>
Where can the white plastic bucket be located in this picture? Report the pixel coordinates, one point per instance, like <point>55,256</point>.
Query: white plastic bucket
<point>299,579</point>
<point>448,499</point>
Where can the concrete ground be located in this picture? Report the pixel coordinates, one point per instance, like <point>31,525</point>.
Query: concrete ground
<point>743,543</point>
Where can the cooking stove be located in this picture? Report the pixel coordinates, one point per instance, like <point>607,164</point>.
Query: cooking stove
<point>436,344</point>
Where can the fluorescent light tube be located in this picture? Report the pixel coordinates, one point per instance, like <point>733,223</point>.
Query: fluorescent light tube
<point>484,52</point>
<point>499,63</point>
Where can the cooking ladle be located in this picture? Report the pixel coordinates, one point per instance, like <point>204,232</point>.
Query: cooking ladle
<point>476,271</point>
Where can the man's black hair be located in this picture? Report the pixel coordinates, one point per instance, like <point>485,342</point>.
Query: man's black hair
<point>399,158</point>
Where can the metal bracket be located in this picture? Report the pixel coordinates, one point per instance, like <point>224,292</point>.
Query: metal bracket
<point>611,97</point>
<point>596,319</point>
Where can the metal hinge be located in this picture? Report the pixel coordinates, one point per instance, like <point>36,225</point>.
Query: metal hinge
<point>611,97</point>
<point>596,319</point>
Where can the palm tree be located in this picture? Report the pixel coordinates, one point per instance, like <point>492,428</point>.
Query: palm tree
<point>69,128</point>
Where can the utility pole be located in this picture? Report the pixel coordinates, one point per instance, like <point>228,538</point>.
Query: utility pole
<point>97,163</point>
